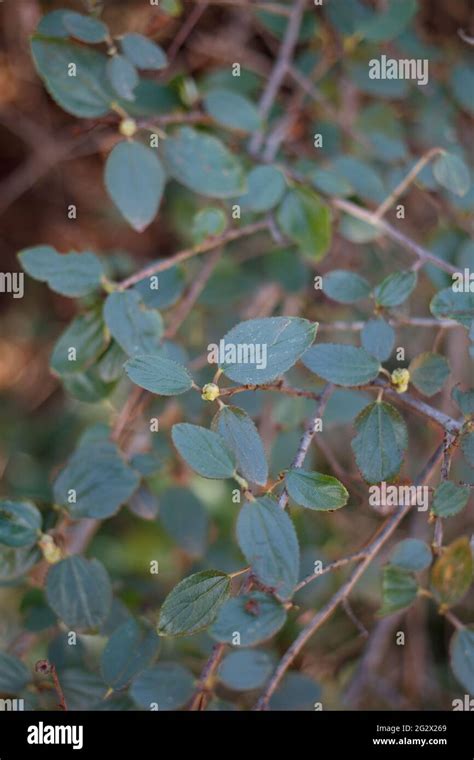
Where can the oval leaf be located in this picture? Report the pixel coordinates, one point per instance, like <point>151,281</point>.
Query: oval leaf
<point>260,350</point>
<point>452,173</point>
<point>380,442</point>
<point>185,520</point>
<point>395,289</point>
<point>345,287</point>
<point>79,592</point>
<point>462,657</point>
<point>267,538</point>
<point>95,482</point>
<point>205,451</point>
<point>167,686</point>
<point>378,338</point>
<point>136,329</point>
<point>203,164</point>
<point>428,372</point>
<point>399,590</point>
<point>242,438</point>
<point>129,650</point>
<point>449,499</point>
<point>135,181</point>
<point>245,669</point>
<point>452,573</point>
<point>411,554</point>
<point>142,52</point>
<point>316,491</point>
<point>256,617</point>
<point>158,374</point>
<point>71,274</point>
<point>306,220</point>
<point>341,364</point>
<point>20,523</point>
<point>232,110</point>
<point>14,675</point>
<point>193,604</point>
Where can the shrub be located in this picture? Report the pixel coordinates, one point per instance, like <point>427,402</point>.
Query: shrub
<point>258,477</point>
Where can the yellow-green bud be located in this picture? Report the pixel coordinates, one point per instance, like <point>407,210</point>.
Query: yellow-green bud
<point>128,127</point>
<point>51,551</point>
<point>400,379</point>
<point>210,392</point>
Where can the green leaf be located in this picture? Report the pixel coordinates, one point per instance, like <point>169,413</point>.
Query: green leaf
<point>14,675</point>
<point>71,274</point>
<point>452,173</point>
<point>462,84</point>
<point>51,25</point>
<point>267,538</point>
<point>361,176</point>
<point>464,400</point>
<point>110,364</point>
<point>462,657</point>
<point>137,330</point>
<point>266,348</point>
<point>256,617</point>
<point>79,345</point>
<point>306,220</point>
<point>449,499</point>
<point>380,442</point>
<point>95,482</point>
<point>185,520</point>
<point>378,338</point>
<point>82,690</point>
<point>20,523</point>
<point>123,76</point>
<point>232,110</point>
<point>428,372</point>
<point>241,436</point>
<point>297,692</point>
<point>245,669</point>
<point>167,686</point>
<point>204,450</point>
<point>87,386</point>
<point>341,364</point>
<point>399,590</point>
<point>316,491</point>
<point>142,52</point>
<point>344,286</point>
<point>79,592</point>
<point>208,222</point>
<point>411,554</point>
<point>330,183</point>
<point>129,650</point>
<point>163,290</point>
<point>452,574</point>
<point>15,563</point>
<point>395,289</point>
<point>447,304</point>
<point>266,186</point>
<point>85,28</point>
<point>203,164</point>
<point>135,181</point>
<point>385,26</point>
<point>158,374</point>
<point>193,604</point>
<point>86,94</point>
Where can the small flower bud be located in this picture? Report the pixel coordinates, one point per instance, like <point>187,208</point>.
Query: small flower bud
<point>51,552</point>
<point>43,667</point>
<point>400,378</point>
<point>210,392</point>
<point>128,127</point>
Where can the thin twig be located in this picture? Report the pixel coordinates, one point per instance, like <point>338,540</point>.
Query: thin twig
<point>391,232</point>
<point>308,436</point>
<point>406,182</point>
<point>188,253</point>
<point>279,70</point>
<point>186,304</point>
<point>322,616</point>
